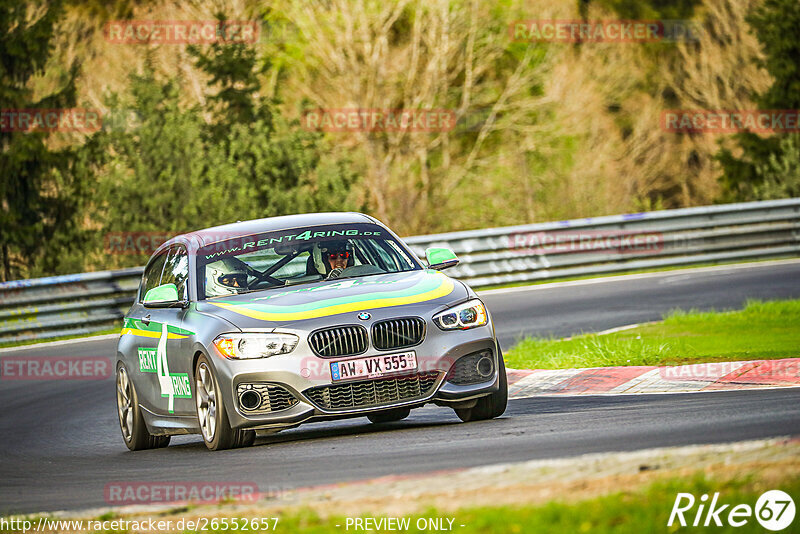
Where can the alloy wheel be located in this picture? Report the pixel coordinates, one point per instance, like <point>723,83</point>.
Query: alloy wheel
<point>206,402</point>
<point>125,404</point>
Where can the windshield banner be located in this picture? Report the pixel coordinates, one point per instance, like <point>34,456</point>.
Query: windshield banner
<point>291,239</point>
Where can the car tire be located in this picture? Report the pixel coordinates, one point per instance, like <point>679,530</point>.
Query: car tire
<point>211,415</point>
<point>389,416</point>
<point>131,423</point>
<point>490,406</point>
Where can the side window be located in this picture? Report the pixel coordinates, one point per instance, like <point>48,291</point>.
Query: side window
<point>152,275</point>
<point>176,270</point>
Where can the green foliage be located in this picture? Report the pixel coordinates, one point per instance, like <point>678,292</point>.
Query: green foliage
<point>775,23</point>
<point>764,169</point>
<point>233,69</point>
<point>151,168</point>
<point>40,196</point>
<point>779,176</point>
<point>740,179</point>
<point>175,171</point>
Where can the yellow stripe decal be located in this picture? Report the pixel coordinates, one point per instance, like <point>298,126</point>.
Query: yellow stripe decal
<point>445,288</point>
<point>149,333</point>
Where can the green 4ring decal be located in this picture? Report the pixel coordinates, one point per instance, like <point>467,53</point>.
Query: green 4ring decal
<point>162,368</point>
<point>154,360</point>
<point>147,359</point>
<point>180,385</point>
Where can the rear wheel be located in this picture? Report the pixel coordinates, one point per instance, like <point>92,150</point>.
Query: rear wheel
<point>131,423</point>
<point>214,426</point>
<point>492,405</point>
<point>389,416</point>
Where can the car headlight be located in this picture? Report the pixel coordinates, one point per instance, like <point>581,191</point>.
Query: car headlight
<point>249,346</point>
<point>464,316</point>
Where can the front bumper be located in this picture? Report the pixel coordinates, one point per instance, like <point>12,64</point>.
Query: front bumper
<point>306,377</point>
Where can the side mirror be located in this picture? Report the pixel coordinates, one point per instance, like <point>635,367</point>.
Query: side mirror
<point>440,258</point>
<point>163,296</point>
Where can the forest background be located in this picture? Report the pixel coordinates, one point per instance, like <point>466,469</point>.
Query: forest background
<point>198,135</point>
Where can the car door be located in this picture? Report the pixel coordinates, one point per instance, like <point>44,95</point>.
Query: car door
<point>162,372</point>
<point>175,344</point>
<point>144,335</point>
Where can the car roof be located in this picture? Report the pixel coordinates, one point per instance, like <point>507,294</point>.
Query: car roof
<point>206,236</point>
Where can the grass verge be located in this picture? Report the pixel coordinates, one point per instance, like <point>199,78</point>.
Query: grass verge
<point>762,330</point>
<point>634,512</point>
<point>105,332</point>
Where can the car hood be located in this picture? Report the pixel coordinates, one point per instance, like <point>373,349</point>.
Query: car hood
<point>321,301</point>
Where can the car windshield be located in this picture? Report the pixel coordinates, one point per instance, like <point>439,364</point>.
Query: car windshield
<point>299,256</point>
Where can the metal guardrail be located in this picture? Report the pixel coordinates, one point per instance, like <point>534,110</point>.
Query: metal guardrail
<point>709,234</point>
<point>83,303</point>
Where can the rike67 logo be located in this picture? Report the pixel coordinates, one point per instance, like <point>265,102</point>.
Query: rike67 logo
<point>774,510</point>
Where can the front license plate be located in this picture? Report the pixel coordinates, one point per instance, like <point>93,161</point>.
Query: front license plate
<point>374,366</point>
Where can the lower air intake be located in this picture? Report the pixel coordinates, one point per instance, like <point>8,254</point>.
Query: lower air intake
<point>368,393</point>
<point>260,399</point>
<point>472,369</point>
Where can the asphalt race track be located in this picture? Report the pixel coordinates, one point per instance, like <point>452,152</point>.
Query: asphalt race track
<point>60,443</point>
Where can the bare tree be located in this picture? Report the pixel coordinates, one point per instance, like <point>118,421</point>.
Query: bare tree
<point>413,55</point>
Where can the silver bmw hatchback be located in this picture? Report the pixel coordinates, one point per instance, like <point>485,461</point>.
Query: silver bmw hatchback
<point>267,324</point>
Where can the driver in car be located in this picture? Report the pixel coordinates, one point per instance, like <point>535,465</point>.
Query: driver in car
<point>337,256</point>
<point>224,277</point>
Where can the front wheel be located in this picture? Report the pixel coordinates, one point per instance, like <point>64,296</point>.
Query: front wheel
<point>131,423</point>
<point>492,405</point>
<point>214,426</point>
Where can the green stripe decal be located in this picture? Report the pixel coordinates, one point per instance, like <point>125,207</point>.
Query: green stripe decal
<point>152,329</point>
<point>430,287</point>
